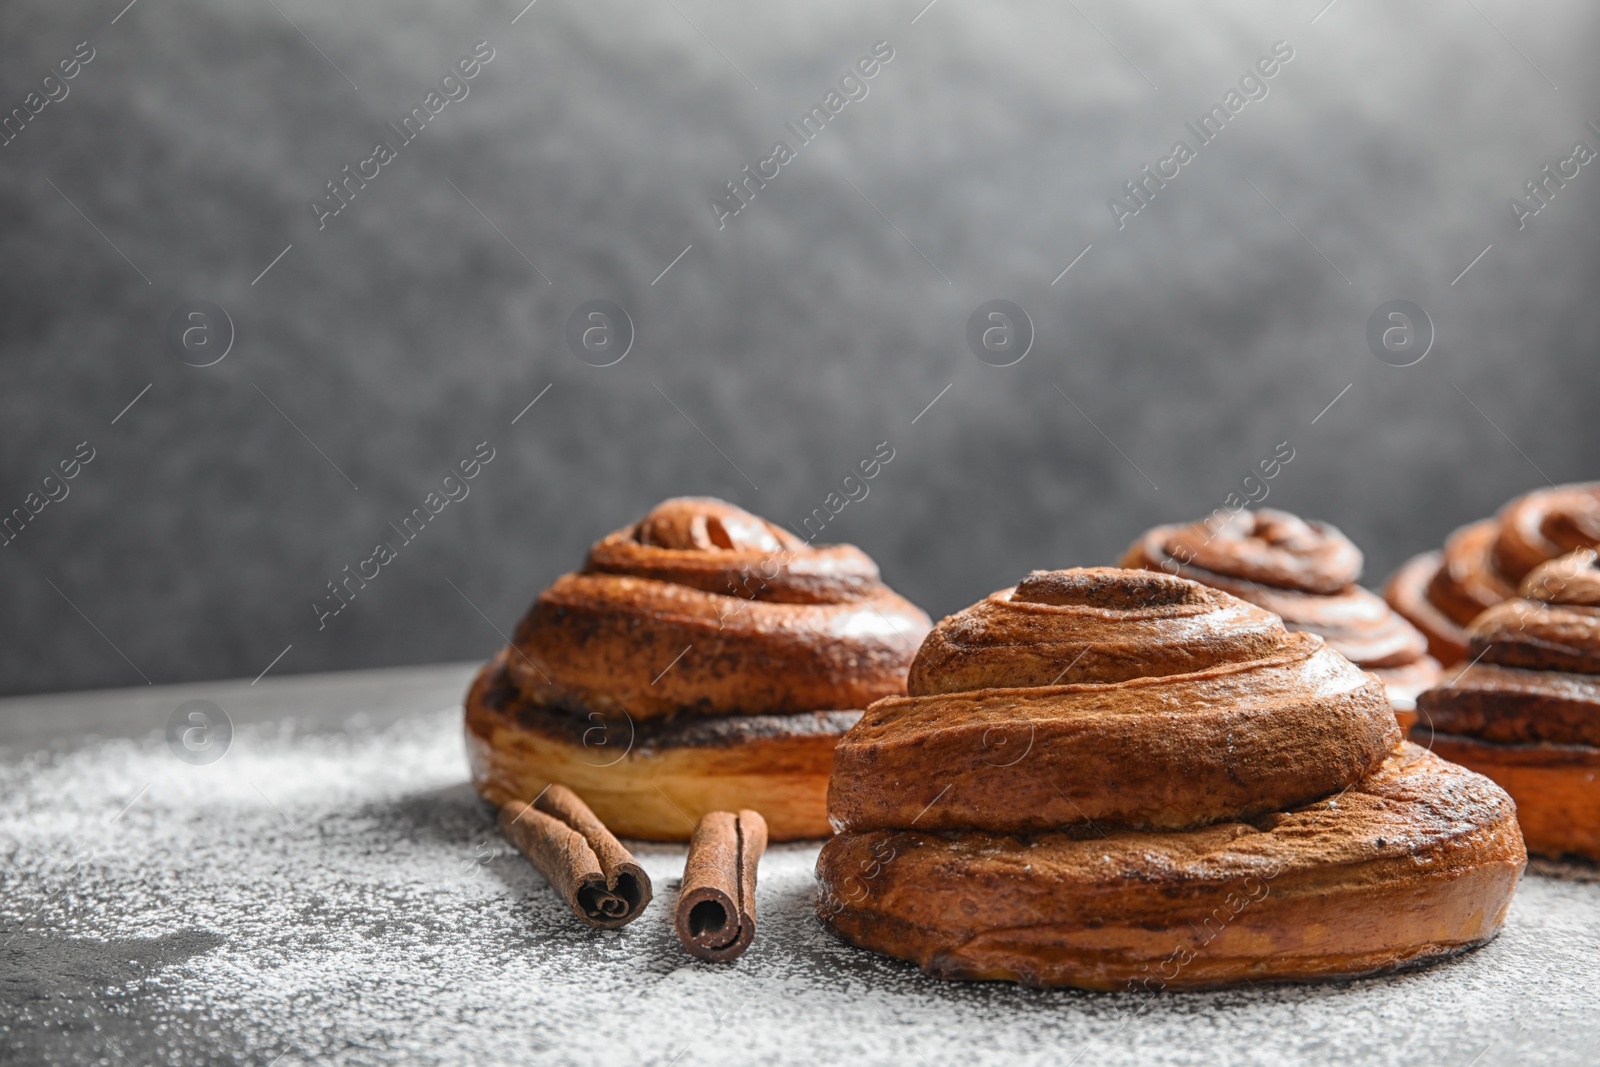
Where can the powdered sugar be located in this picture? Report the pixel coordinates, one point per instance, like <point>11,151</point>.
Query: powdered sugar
<point>342,897</point>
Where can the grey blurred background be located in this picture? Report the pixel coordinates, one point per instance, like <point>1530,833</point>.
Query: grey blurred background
<point>778,351</point>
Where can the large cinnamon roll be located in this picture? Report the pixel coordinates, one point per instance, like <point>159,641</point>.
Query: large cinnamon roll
<point>1526,711</point>
<point>1305,572</point>
<point>1120,779</point>
<point>1483,562</point>
<point>702,660</point>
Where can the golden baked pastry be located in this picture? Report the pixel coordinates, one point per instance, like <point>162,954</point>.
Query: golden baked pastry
<point>1526,711</point>
<point>1305,572</point>
<point>1120,779</point>
<point>1128,698</point>
<point>702,660</point>
<point>1483,562</point>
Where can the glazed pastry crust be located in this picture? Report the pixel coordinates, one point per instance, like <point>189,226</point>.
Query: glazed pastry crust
<point>1305,572</point>
<point>1415,862</point>
<point>703,660</point>
<point>1483,562</point>
<point>706,609</point>
<point>1512,706</point>
<point>607,642</point>
<point>1467,581</point>
<point>1538,636</point>
<point>1407,593</point>
<point>654,779</point>
<point>1094,624</point>
<point>1168,752</point>
<point>1544,525</point>
<point>1526,711</point>
<point>1254,819</point>
<point>1267,547</point>
<point>1556,788</point>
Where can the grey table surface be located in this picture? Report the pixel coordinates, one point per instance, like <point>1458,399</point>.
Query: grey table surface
<point>331,891</point>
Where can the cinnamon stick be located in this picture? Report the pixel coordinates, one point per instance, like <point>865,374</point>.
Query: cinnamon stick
<point>716,916</point>
<point>578,856</point>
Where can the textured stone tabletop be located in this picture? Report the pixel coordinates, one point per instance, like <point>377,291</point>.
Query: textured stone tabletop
<point>331,891</point>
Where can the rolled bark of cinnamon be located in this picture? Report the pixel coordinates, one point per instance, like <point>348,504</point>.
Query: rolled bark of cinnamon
<point>578,856</point>
<point>716,914</point>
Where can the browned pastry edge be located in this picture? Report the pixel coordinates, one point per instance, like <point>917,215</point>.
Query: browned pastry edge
<point>1357,623</point>
<point>712,546</point>
<point>1573,579</point>
<point>1407,593</point>
<point>1266,547</point>
<point>1511,705</point>
<point>1168,752</point>
<point>1538,636</point>
<point>653,648</point>
<point>1535,670</point>
<point>654,779</point>
<point>607,733</point>
<point>1090,625</point>
<point>1556,788</point>
<point>1416,862</point>
<point>703,608</point>
<point>1441,593</point>
<point>1545,524</point>
<point>1526,711</point>
<point>1467,581</point>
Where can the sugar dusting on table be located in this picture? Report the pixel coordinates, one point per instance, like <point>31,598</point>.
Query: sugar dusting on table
<point>343,898</point>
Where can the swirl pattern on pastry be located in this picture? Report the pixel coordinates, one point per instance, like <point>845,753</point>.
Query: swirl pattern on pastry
<point>1104,773</point>
<point>701,607</point>
<point>703,660</point>
<point>1199,707</point>
<point>1306,573</point>
<point>1268,546</point>
<point>1414,863</point>
<point>1526,711</point>
<point>1483,562</point>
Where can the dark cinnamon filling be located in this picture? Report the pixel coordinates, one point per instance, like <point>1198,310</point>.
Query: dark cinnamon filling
<point>591,728</point>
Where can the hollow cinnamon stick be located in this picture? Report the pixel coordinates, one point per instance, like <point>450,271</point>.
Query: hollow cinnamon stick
<point>716,915</point>
<point>578,856</point>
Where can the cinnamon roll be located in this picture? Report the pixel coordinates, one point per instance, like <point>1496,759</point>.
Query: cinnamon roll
<point>1483,562</point>
<point>1119,779</point>
<point>1526,711</point>
<point>702,660</point>
<point>1306,573</point>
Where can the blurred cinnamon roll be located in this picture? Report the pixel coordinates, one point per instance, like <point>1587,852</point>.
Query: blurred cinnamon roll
<point>1483,562</point>
<point>702,660</point>
<point>1112,778</point>
<point>1526,711</point>
<point>1305,572</point>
